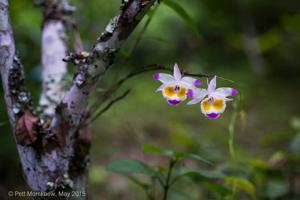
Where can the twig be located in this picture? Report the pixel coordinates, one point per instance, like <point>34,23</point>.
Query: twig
<point>108,106</point>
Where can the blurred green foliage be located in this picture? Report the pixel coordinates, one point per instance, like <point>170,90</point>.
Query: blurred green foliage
<point>208,36</point>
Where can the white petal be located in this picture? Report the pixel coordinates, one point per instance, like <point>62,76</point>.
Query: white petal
<point>194,101</point>
<point>161,88</point>
<point>225,91</point>
<point>191,82</point>
<point>177,73</point>
<point>212,85</point>
<point>164,78</point>
<point>199,95</point>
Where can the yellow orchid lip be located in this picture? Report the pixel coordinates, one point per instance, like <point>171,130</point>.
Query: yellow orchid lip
<point>171,91</point>
<point>213,105</point>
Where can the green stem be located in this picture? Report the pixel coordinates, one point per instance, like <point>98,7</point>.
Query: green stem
<point>231,135</point>
<point>168,179</point>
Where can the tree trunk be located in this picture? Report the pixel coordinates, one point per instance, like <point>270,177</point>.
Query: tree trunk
<point>54,147</point>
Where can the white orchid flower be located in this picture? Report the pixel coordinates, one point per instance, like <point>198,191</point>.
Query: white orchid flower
<point>176,88</point>
<point>213,100</point>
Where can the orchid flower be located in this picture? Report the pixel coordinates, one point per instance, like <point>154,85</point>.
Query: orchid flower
<point>213,100</point>
<point>176,88</point>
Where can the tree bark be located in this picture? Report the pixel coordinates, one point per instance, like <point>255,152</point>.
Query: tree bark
<point>53,148</point>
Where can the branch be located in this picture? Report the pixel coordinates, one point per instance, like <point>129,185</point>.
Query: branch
<point>12,73</point>
<point>93,65</point>
<point>54,49</point>
<point>107,107</point>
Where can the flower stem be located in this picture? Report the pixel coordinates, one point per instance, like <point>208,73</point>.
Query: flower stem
<point>231,135</point>
<point>167,183</point>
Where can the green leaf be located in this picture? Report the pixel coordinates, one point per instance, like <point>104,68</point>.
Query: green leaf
<point>137,181</point>
<point>148,148</point>
<point>210,174</point>
<point>242,184</point>
<point>125,166</point>
<point>192,156</point>
<point>173,154</point>
<point>153,149</point>
<point>256,162</point>
<point>182,13</point>
<point>216,188</point>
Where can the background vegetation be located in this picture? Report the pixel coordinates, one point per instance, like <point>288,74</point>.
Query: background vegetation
<point>255,43</point>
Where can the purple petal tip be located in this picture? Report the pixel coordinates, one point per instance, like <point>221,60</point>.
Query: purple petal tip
<point>190,93</point>
<point>155,76</point>
<point>234,91</point>
<point>197,83</point>
<point>213,115</point>
<point>173,102</point>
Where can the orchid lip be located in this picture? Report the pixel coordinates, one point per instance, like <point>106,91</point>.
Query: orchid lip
<point>173,102</point>
<point>234,91</point>
<point>213,115</point>
<point>197,82</point>
<point>155,76</point>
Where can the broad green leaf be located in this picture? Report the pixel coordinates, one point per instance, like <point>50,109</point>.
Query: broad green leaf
<point>173,154</point>
<point>125,166</point>
<point>137,181</point>
<point>153,149</point>
<point>257,163</point>
<point>199,158</point>
<point>182,13</point>
<point>148,148</point>
<point>192,156</point>
<point>217,188</point>
<point>242,184</point>
<point>210,174</point>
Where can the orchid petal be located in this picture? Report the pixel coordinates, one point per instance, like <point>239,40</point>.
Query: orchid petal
<point>190,93</point>
<point>213,115</point>
<point>173,102</point>
<point>200,93</point>
<point>191,81</point>
<point>162,87</point>
<point>198,96</point>
<point>177,73</point>
<point>225,91</point>
<point>212,85</point>
<point>194,101</point>
<point>163,77</point>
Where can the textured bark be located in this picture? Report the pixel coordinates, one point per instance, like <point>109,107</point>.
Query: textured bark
<point>54,49</point>
<point>54,148</point>
<point>54,70</point>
